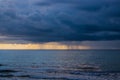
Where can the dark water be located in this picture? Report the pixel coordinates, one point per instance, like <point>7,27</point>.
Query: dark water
<point>59,65</point>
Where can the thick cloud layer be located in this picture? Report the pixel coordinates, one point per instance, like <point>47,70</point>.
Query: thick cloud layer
<point>59,20</point>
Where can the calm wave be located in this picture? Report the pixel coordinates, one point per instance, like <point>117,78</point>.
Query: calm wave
<point>59,65</point>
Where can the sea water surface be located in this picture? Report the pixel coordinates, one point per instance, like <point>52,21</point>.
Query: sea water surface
<point>59,65</point>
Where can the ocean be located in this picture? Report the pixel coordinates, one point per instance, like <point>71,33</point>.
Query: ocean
<point>59,65</point>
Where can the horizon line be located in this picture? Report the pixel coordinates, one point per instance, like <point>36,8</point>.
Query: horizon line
<point>59,49</point>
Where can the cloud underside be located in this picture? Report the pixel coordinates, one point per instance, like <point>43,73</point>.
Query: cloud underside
<point>59,20</point>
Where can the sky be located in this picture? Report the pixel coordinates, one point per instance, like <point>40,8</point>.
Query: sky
<point>59,24</point>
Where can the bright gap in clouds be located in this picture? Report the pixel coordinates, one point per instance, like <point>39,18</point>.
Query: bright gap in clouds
<point>46,46</point>
<point>63,45</point>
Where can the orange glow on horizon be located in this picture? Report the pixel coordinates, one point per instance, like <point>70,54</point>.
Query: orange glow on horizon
<point>41,46</point>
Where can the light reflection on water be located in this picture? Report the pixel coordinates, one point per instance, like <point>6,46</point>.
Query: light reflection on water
<point>60,65</point>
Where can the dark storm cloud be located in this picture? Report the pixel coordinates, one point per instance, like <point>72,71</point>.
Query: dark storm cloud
<point>60,20</point>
